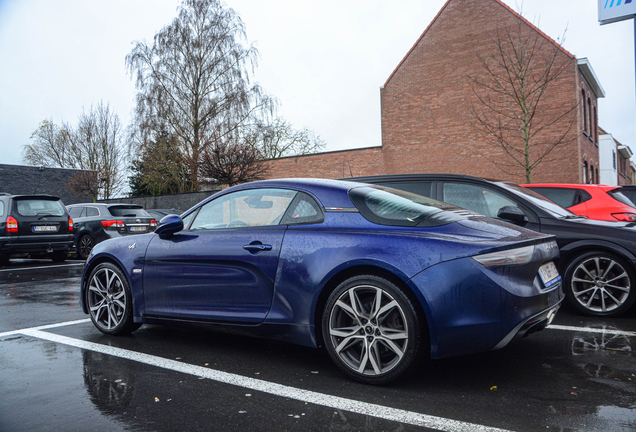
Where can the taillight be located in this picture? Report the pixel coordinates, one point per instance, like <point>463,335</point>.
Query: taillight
<point>113,223</point>
<point>12,224</point>
<point>153,223</point>
<point>625,217</point>
<point>70,225</point>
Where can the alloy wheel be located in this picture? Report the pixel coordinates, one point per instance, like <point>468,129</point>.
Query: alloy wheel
<point>85,246</point>
<point>368,330</point>
<point>600,284</point>
<point>107,299</point>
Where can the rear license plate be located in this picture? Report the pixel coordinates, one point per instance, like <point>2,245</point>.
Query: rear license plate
<point>549,274</point>
<point>138,229</point>
<point>45,228</point>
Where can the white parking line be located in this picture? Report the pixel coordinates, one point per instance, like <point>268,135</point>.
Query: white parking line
<point>335,402</point>
<point>45,327</point>
<point>592,330</point>
<point>43,267</point>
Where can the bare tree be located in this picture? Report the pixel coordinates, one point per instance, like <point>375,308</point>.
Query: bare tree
<point>279,139</point>
<point>194,80</point>
<point>232,162</point>
<point>512,110</point>
<point>51,146</point>
<point>87,183</point>
<point>96,143</point>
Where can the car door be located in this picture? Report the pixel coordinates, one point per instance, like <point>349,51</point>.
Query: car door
<point>222,267</point>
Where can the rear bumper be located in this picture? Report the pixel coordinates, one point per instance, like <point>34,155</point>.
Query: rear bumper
<point>530,325</point>
<point>22,244</point>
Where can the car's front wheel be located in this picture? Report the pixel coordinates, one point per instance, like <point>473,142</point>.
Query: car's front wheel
<point>372,330</point>
<point>59,256</point>
<point>600,284</point>
<point>109,300</point>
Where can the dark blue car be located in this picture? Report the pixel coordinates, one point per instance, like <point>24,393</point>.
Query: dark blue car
<point>382,278</point>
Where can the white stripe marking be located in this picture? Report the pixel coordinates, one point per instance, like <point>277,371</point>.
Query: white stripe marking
<point>43,267</point>
<point>45,327</point>
<point>593,330</point>
<point>335,402</point>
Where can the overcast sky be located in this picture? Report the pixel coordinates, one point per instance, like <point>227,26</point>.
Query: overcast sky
<point>323,59</point>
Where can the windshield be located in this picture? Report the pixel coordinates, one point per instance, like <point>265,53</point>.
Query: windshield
<point>39,207</point>
<point>538,200</point>
<point>387,206</point>
<point>620,197</point>
<point>128,211</point>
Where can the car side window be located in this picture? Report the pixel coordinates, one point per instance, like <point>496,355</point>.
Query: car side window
<point>1,208</point>
<point>419,188</point>
<point>245,208</point>
<point>565,197</point>
<point>92,211</point>
<point>303,210</point>
<point>476,198</point>
<point>75,212</point>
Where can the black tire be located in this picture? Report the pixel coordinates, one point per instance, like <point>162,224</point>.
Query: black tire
<point>109,300</point>
<point>373,345</point>
<point>59,256</point>
<point>84,246</point>
<point>4,259</point>
<point>599,283</point>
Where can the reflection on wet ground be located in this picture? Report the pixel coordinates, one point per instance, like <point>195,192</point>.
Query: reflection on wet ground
<point>554,380</point>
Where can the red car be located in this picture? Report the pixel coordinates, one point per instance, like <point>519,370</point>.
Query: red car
<point>600,202</point>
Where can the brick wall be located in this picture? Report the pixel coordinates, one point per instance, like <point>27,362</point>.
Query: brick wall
<point>427,125</point>
<point>347,163</point>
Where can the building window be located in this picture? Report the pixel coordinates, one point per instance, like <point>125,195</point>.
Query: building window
<point>614,158</point>
<point>589,112</point>
<point>584,111</point>
<point>584,172</point>
<point>595,134</point>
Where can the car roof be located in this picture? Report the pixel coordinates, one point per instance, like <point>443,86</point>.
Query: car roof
<point>418,176</point>
<point>331,193</point>
<point>573,186</point>
<point>107,205</point>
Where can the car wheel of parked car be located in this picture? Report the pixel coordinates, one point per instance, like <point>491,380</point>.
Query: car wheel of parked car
<point>600,284</point>
<point>109,300</point>
<point>371,330</point>
<point>84,246</point>
<point>59,257</point>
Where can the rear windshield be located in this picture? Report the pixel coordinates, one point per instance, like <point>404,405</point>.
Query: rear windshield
<point>619,196</point>
<point>387,206</point>
<point>128,211</point>
<point>39,207</point>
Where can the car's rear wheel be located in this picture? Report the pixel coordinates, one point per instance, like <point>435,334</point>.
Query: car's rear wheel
<point>372,330</point>
<point>600,284</point>
<point>84,246</point>
<point>109,300</point>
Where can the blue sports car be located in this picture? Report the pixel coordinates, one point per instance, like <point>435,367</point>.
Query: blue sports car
<point>382,278</point>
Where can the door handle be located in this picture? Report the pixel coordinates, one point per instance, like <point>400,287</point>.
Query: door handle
<point>256,247</point>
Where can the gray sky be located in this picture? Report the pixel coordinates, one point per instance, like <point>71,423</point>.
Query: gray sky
<point>323,59</point>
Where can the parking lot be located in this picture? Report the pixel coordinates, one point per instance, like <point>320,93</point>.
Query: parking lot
<point>59,373</point>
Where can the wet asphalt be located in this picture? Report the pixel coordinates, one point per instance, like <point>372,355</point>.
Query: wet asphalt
<point>561,379</point>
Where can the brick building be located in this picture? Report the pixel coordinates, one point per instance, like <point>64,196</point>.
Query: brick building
<point>426,102</point>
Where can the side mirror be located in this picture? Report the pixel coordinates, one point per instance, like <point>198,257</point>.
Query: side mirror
<point>513,214</point>
<point>169,225</point>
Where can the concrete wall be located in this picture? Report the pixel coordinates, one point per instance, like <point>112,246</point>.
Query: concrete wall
<point>27,180</point>
<point>174,201</point>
